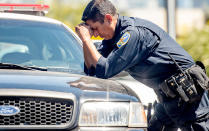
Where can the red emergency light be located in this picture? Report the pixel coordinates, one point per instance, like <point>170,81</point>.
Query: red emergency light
<point>24,8</point>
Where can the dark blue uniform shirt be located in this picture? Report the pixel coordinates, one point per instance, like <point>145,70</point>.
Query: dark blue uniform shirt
<point>141,48</point>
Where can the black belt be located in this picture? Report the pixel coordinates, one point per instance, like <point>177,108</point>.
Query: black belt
<point>181,85</point>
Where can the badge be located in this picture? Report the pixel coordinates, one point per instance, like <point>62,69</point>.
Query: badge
<point>8,110</point>
<point>123,40</point>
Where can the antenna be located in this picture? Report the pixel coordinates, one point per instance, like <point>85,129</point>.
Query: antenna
<point>176,64</point>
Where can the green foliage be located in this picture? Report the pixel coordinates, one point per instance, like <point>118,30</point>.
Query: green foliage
<point>68,12</point>
<point>197,45</point>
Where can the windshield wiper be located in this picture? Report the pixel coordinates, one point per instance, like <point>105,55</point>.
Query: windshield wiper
<point>20,67</point>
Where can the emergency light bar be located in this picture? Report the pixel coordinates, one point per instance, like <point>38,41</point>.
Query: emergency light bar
<point>24,8</point>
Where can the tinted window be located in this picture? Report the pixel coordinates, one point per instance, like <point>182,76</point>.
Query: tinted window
<point>39,44</point>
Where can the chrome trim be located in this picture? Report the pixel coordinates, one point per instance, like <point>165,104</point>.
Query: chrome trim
<point>108,129</point>
<point>43,94</point>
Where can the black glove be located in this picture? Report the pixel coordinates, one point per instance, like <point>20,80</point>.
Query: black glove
<point>199,77</point>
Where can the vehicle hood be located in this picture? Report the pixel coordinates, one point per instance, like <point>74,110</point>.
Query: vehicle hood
<point>83,87</point>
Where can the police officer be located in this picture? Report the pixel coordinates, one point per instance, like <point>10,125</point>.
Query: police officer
<point>141,48</point>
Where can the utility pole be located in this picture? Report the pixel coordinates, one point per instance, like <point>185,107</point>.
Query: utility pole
<point>171,17</point>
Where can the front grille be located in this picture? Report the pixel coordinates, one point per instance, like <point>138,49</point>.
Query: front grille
<point>38,111</point>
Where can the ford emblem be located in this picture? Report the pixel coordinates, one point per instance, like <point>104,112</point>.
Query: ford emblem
<point>7,110</point>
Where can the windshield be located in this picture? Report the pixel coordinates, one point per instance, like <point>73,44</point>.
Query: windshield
<point>30,43</point>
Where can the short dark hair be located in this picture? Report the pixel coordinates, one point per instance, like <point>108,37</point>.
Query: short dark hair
<point>96,10</point>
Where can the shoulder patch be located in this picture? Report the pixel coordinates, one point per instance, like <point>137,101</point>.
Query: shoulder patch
<point>123,40</point>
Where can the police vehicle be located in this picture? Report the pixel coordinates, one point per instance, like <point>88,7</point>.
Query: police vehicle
<point>42,84</point>
<point>31,9</point>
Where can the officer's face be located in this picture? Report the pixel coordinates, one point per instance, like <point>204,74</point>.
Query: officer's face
<point>104,30</point>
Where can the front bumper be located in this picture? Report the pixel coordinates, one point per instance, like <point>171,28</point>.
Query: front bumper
<point>108,129</point>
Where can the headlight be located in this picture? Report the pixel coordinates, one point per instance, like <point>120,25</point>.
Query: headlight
<point>129,114</point>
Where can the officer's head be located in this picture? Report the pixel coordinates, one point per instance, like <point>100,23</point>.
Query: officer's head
<point>101,16</point>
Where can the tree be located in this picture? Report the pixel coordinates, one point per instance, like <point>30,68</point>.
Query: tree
<point>197,44</point>
<point>68,12</point>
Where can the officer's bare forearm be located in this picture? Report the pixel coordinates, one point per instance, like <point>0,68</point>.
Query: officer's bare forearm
<point>91,55</point>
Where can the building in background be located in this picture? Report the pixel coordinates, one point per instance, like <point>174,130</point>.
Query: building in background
<point>190,14</point>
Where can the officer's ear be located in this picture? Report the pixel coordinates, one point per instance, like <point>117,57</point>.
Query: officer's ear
<point>108,18</point>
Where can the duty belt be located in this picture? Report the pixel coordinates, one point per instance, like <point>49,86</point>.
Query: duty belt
<point>185,85</point>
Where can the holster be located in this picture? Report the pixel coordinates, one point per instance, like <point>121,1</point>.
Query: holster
<point>168,91</point>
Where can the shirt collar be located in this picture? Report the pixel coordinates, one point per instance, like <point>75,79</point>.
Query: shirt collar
<point>117,28</point>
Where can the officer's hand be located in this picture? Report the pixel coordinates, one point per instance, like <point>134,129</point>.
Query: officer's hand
<point>84,31</point>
